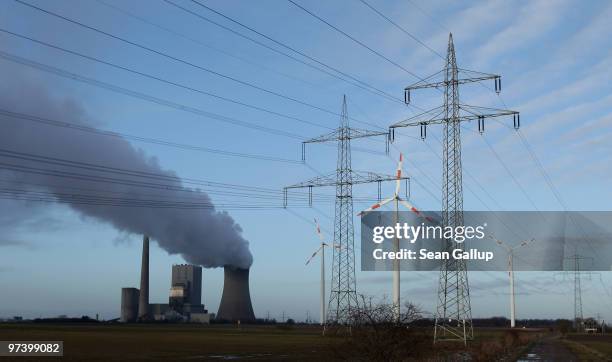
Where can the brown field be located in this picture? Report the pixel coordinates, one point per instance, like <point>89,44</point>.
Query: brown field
<point>113,342</point>
<point>601,344</point>
<point>174,342</point>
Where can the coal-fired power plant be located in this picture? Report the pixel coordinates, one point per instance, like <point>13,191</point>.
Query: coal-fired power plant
<point>185,298</point>
<point>184,302</point>
<point>236,300</point>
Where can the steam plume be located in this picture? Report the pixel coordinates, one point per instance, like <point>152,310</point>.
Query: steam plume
<point>201,236</point>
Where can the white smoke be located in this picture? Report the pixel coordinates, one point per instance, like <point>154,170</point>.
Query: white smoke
<point>201,236</point>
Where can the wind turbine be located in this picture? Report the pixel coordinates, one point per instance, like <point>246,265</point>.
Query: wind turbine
<point>322,250</point>
<point>510,251</point>
<point>397,200</point>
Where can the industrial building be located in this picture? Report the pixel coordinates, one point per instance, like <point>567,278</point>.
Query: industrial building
<point>236,299</point>
<point>129,304</point>
<point>187,283</point>
<point>185,297</point>
<point>184,301</point>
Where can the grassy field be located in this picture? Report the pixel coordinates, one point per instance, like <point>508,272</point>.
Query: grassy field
<point>175,342</point>
<point>600,344</point>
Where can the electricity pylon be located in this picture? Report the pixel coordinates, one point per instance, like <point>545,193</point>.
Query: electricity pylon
<point>578,316</point>
<point>510,251</point>
<point>343,295</point>
<point>454,312</point>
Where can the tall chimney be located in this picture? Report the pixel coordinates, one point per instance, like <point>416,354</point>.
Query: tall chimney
<point>236,299</point>
<point>143,302</point>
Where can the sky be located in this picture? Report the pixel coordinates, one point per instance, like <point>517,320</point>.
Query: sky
<point>555,59</point>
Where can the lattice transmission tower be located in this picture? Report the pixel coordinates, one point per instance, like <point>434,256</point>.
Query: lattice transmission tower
<point>578,316</point>
<point>579,274</point>
<point>343,295</point>
<point>454,313</point>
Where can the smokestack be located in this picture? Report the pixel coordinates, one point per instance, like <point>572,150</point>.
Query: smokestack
<point>236,299</point>
<point>143,303</point>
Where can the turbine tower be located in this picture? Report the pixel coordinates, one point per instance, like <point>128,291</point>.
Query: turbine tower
<point>454,312</point>
<point>510,251</point>
<point>322,250</point>
<point>343,296</point>
<point>397,201</point>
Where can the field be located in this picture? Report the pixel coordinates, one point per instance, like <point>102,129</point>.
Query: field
<point>113,342</point>
<point>175,342</point>
<point>591,346</point>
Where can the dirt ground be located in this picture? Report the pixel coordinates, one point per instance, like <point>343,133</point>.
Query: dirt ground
<point>549,350</point>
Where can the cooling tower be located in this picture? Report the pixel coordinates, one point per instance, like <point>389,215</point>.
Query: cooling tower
<point>236,299</point>
<point>143,305</point>
<point>129,305</point>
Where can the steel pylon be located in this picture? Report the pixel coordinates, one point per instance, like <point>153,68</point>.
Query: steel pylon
<point>343,294</point>
<point>454,312</point>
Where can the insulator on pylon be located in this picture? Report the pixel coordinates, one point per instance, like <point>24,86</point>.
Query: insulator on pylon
<point>481,124</point>
<point>303,152</point>
<point>407,188</point>
<point>407,96</point>
<point>310,196</point>
<point>423,131</point>
<point>517,120</point>
<point>285,198</point>
<point>498,84</point>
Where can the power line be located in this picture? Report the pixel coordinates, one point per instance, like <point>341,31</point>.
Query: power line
<point>361,84</point>
<point>353,39</point>
<point>153,99</point>
<point>76,199</point>
<point>176,59</point>
<point>300,199</point>
<point>82,128</point>
<point>255,192</point>
<point>166,81</point>
<point>143,96</point>
<point>205,45</point>
<point>124,171</point>
<point>432,18</point>
<point>401,28</point>
<point>247,61</point>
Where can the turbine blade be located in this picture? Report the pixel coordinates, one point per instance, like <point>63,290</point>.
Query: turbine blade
<point>376,206</point>
<point>313,255</point>
<point>318,229</point>
<point>412,208</point>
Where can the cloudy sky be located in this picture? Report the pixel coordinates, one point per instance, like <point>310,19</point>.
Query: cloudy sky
<point>556,62</point>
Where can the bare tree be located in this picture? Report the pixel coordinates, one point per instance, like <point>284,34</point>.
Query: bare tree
<point>378,334</point>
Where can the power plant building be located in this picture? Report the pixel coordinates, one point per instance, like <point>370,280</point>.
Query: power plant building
<point>236,299</point>
<point>189,277</point>
<point>129,305</point>
<point>184,301</point>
